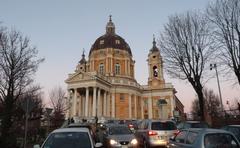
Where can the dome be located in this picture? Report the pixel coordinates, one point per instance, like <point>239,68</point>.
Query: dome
<point>110,40</point>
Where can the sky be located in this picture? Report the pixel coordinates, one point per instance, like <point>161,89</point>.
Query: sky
<point>61,29</point>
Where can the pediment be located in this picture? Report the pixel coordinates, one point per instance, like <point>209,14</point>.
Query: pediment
<point>80,76</point>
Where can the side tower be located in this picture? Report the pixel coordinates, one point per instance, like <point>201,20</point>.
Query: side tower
<point>155,67</point>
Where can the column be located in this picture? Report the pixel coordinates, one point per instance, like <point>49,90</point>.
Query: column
<point>80,105</point>
<point>108,105</point>
<point>75,102</point>
<point>135,106</point>
<point>83,104</point>
<point>94,101</point>
<point>142,110</point>
<point>113,105</point>
<point>68,104</point>
<point>149,107</point>
<point>129,71</point>
<point>105,104</point>
<point>126,67</point>
<point>129,106</point>
<point>172,101</point>
<point>99,103</point>
<point>86,102</point>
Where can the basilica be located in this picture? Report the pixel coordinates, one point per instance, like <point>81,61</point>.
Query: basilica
<point>104,84</point>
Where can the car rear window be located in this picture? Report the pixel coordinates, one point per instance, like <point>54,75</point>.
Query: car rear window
<point>198,125</point>
<point>163,126</point>
<point>220,140</point>
<point>68,140</point>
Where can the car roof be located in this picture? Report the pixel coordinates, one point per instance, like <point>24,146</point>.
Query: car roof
<point>79,125</point>
<point>155,120</point>
<point>207,130</point>
<point>194,121</point>
<point>117,125</point>
<point>233,125</point>
<point>62,130</point>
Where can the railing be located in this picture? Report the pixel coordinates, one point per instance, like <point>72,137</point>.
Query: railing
<point>166,85</point>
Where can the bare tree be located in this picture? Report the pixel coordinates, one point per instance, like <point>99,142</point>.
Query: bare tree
<point>225,17</point>
<point>186,48</point>
<point>58,103</point>
<point>18,64</point>
<point>211,104</point>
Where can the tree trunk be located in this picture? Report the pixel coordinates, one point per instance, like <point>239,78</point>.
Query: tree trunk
<point>199,90</point>
<point>7,136</point>
<point>237,72</point>
<point>201,103</point>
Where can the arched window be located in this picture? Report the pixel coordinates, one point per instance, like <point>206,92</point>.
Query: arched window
<point>101,68</point>
<point>155,71</point>
<point>117,69</point>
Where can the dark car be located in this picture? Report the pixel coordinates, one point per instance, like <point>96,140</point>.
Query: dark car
<point>204,138</point>
<point>117,135</point>
<point>192,124</point>
<point>155,132</point>
<point>235,129</point>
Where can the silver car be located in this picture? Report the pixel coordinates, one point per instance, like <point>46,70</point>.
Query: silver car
<point>119,136</point>
<point>70,138</point>
<point>155,132</point>
<point>204,138</point>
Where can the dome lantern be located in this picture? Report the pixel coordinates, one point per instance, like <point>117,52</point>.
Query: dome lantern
<point>110,27</point>
<point>154,48</point>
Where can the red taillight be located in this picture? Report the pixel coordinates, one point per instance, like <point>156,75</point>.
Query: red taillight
<point>130,126</point>
<point>152,133</point>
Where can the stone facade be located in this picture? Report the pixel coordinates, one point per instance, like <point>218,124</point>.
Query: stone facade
<point>105,84</point>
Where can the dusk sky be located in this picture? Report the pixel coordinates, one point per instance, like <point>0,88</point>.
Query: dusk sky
<point>61,29</point>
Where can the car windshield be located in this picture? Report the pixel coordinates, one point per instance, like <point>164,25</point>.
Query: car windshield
<point>119,130</point>
<point>163,126</point>
<point>220,140</point>
<point>68,140</point>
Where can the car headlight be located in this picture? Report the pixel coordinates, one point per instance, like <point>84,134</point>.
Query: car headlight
<point>113,142</point>
<point>134,142</point>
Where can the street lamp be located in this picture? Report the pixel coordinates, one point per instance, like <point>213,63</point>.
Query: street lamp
<point>220,95</point>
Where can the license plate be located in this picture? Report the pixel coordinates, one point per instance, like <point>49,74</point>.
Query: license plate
<point>124,146</point>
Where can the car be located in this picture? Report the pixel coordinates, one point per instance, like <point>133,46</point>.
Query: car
<point>155,132</point>
<point>192,124</point>
<point>204,138</point>
<point>70,138</point>
<point>92,128</point>
<point>119,135</point>
<point>235,129</point>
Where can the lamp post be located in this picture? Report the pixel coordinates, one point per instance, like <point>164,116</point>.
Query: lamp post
<point>219,89</point>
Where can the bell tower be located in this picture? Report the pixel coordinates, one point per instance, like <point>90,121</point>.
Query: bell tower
<point>82,64</point>
<point>155,67</point>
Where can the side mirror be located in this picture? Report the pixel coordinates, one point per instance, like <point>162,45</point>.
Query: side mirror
<point>36,146</point>
<point>98,145</point>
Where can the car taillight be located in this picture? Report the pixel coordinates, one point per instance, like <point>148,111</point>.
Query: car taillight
<point>152,133</point>
<point>130,126</point>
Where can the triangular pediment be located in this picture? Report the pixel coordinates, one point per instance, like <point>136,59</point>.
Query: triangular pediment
<point>79,76</point>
